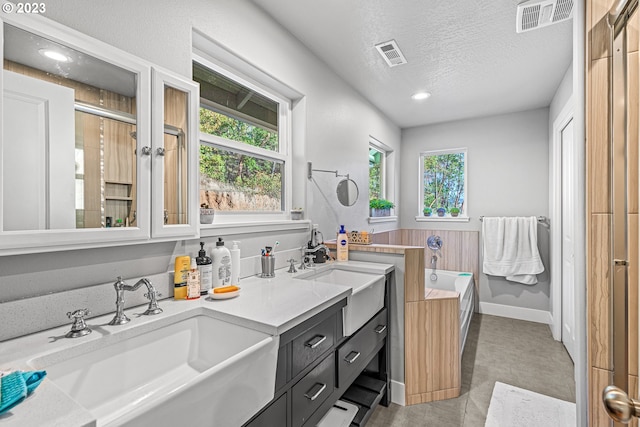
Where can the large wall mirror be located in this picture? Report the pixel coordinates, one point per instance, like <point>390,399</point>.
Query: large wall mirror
<point>69,137</point>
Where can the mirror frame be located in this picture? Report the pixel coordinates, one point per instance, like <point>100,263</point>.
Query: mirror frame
<point>348,181</point>
<point>29,241</point>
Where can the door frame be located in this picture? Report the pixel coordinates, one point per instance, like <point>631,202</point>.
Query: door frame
<point>555,209</point>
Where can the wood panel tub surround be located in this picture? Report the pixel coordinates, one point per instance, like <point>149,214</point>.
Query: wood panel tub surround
<point>430,323</point>
<point>460,251</point>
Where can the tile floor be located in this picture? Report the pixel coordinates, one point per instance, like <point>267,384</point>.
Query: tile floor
<point>523,354</point>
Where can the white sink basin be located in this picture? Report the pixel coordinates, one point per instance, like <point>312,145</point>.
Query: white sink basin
<point>367,295</point>
<point>199,369</point>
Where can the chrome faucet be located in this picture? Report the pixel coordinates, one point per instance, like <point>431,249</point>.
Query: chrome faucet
<point>307,258</point>
<point>434,262</point>
<point>120,286</point>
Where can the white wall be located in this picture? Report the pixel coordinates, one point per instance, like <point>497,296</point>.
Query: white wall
<point>339,120</point>
<point>508,175</point>
<point>562,95</point>
<point>334,135</point>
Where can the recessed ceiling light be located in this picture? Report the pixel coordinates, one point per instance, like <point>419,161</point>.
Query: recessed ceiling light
<point>420,95</point>
<point>55,55</point>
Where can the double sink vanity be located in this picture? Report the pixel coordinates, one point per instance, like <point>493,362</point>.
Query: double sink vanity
<point>281,353</point>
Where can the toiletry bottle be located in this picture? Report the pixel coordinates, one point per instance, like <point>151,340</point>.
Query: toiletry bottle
<point>193,281</point>
<point>181,272</point>
<point>205,268</point>
<point>235,263</point>
<point>342,245</point>
<point>221,262</point>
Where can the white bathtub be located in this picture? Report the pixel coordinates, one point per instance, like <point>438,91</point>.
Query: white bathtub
<point>462,283</point>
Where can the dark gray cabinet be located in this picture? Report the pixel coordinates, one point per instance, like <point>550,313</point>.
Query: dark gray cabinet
<point>317,365</point>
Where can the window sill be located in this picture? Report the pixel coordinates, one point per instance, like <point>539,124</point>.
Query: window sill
<point>223,229</point>
<point>442,218</point>
<point>377,219</point>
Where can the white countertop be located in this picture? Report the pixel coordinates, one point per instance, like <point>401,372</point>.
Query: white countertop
<point>272,305</point>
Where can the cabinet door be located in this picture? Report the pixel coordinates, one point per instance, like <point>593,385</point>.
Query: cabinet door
<point>175,157</point>
<point>76,116</point>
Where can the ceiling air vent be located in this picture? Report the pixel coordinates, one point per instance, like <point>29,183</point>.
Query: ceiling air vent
<point>391,53</point>
<point>534,14</point>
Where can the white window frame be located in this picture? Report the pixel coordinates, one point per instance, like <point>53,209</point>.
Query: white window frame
<point>283,155</point>
<point>377,146</point>
<point>464,216</point>
<point>387,185</point>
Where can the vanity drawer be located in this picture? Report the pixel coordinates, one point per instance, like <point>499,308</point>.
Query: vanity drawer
<point>312,344</point>
<point>313,389</point>
<point>353,354</point>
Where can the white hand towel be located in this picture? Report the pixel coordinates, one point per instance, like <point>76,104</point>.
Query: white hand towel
<point>511,248</point>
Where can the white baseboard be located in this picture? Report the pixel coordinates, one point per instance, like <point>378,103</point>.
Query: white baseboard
<point>397,393</point>
<point>512,312</point>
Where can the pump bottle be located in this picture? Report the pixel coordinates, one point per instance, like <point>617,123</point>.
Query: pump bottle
<point>205,267</point>
<point>221,258</point>
<point>342,245</point>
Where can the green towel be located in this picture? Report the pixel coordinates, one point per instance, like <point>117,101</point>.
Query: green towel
<point>17,385</point>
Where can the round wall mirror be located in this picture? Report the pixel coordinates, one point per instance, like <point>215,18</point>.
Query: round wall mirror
<point>347,191</point>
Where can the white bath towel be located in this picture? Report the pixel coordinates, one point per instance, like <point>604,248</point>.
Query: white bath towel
<point>511,248</point>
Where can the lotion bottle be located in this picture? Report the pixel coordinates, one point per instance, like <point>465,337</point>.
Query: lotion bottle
<point>205,267</point>
<point>342,245</point>
<point>193,281</point>
<point>221,258</point>
<point>235,263</point>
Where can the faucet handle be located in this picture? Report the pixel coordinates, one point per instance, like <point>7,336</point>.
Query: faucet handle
<point>79,314</point>
<point>79,328</point>
<point>292,266</point>
<point>150,295</point>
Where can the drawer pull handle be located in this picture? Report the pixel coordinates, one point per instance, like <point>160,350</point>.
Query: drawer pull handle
<point>351,357</point>
<point>380,329</point>
<point>311,395</point>
<point>315,341</point>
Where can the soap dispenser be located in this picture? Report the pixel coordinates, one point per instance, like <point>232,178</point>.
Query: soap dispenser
<point>221,262</point>
<point>205,267</point>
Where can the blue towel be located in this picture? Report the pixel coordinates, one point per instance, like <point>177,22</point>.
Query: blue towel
<point>17,385</point>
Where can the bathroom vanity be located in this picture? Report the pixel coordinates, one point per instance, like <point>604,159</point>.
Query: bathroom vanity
<point>318,364</point>
<point>275,355</point>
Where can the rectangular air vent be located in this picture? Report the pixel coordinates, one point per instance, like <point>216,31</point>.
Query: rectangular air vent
<point>534,14</point>
<point>391,53</point>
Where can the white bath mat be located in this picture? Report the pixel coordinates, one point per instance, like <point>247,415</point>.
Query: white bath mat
<point>516,407</point>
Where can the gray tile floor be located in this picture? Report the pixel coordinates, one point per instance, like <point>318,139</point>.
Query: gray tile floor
<point>523,354</point>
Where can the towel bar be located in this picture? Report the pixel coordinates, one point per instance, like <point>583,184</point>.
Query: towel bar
<point>540,218</point>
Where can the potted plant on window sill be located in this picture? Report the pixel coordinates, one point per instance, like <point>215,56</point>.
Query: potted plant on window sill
<point>380,207</point>
<point>454,212</point>
<point>427,211</point>
<point>441,211</point>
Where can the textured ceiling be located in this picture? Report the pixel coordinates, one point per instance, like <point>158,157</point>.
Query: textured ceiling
<point>465,52</point>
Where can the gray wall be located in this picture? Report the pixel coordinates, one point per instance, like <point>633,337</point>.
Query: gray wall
<point>508,175</point>
<point>334,133</point>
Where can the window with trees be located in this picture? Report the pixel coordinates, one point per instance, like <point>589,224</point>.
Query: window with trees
<point>443,183</point>
<point>376,172</point>
<point>243,143</point>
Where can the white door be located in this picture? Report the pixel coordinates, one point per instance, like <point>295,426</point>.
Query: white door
<point>38,155</point>
<point>568,256</point>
